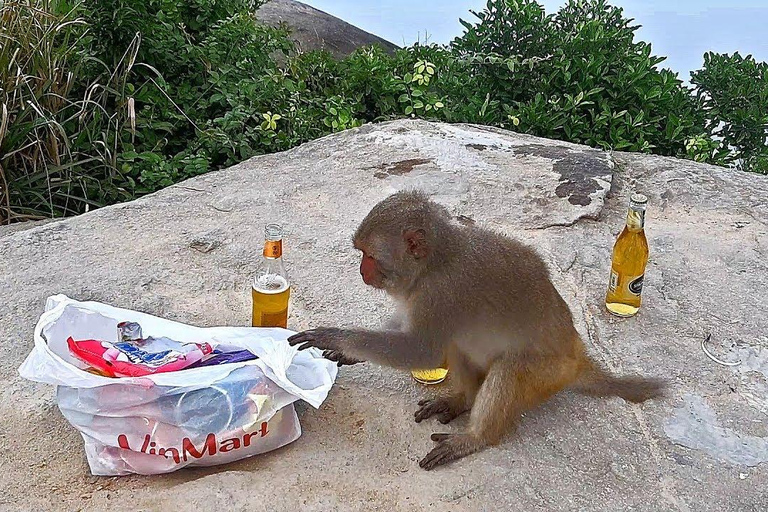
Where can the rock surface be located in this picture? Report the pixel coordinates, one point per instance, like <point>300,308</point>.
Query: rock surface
<point>313,29</point>
<point>703,449</point>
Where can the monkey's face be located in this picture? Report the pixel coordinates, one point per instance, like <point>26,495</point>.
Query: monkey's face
<point>371,272</point>
<point>389,263</point>
<point>378,263</point>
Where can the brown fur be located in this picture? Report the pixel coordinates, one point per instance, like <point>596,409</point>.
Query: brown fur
<point>483,303</point>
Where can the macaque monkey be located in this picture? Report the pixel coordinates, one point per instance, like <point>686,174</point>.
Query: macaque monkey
<point>479,302</point>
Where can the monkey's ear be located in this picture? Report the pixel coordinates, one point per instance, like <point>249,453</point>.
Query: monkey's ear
<point>416,242</point>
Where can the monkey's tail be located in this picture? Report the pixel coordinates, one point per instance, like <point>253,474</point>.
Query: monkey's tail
<point>595,381</point>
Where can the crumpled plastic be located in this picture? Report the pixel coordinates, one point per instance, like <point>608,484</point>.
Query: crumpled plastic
<point>163,422</point>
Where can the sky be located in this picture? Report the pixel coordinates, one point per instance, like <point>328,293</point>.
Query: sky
<point>681,30</point>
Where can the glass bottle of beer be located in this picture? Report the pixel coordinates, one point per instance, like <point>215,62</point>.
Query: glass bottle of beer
<point>271,290</point>
<point>630,255</point>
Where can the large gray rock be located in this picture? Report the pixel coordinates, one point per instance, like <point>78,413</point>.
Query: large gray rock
<point>187,253</point>
<point>313,29</point>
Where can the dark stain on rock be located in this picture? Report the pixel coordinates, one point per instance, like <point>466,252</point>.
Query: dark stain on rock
<point>204,246</point>
<point>400,168</point>
<point>578,170</point>
<point>479,147</point>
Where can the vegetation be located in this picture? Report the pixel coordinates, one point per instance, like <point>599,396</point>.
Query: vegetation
<point>732,91</point>
<point>103,101</point>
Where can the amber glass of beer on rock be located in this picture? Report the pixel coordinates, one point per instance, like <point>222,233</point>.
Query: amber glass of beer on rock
<point>271,290</point>
<point>432,376</point>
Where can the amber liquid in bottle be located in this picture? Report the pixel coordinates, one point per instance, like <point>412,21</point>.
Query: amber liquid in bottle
<point>270,290</point>
<point>630,256</point>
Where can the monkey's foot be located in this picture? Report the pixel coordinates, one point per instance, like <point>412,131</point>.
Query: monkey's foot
<point>450,447</point>
<point>339,358</point>
<point>446,409</point>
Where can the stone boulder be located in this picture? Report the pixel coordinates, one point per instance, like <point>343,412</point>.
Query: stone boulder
<point>187,253</point>
<point>313,29</point>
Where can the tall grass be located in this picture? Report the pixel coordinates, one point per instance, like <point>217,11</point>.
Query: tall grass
<point>61,113</point>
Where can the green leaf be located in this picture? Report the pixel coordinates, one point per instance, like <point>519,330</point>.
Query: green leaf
<point>408,110</point>
<point>416,93</point>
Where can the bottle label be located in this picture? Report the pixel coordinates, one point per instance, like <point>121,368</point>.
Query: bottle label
<point>636,285</point>
<point>614,281</point>
<point>273,248</point>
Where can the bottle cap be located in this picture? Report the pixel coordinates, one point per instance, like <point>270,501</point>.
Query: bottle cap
<point>128,331</point>
<point>638,199</point>
<point>273,232</point>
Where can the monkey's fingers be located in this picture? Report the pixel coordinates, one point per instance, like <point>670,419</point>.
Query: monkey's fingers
<point>450,447</point>
<point>307,340</point>
<point>324,338</point>
<point>339,358</point>
<point>298,339</point>
<point>429,408</point>
<point>302,337</point>
<point>445,408</point>
<point>439,455</point>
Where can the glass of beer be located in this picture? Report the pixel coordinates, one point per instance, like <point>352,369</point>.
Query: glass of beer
<point>433,376</point>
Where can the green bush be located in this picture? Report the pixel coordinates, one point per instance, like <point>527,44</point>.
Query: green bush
<point>733,91</point>
<point>578,75</point>
<point>119,99</point>
<point>207,78</point>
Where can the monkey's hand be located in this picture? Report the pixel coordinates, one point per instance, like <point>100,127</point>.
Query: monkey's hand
<point>339,358</point>
<point>329,339</point>
<point>392,348</point>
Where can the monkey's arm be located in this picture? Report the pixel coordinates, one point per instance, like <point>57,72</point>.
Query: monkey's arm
<point>396,322</point>
<point>391,348</point>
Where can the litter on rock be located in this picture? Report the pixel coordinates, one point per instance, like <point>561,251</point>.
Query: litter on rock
<point>180,396</point>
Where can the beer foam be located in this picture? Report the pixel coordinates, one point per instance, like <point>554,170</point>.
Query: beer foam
<point>270,283</point>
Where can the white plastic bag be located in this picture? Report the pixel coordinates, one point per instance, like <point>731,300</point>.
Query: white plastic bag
<point>195,417</point>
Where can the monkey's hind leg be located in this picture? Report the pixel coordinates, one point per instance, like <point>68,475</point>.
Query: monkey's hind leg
<point>446,408</point>
<point>465,380</point>
<point>513,386</point>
